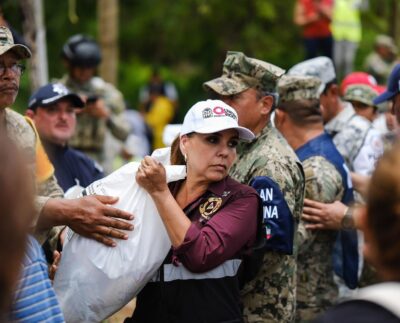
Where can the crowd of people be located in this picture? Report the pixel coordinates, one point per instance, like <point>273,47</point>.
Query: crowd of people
<point>289,175</point>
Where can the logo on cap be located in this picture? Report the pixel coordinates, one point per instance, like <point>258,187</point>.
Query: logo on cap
<point>60,89</point>
<point>218,112</point>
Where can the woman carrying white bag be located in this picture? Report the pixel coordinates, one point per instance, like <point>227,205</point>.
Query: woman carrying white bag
<point>211,221</point>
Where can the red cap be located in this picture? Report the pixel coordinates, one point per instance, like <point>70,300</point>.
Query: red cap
<point>358,78</point>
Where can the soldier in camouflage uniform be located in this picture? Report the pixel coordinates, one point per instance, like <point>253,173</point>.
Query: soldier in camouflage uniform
<point>88,217</point>
<point>104,103</point>
<point>249,86</point>
<point>361,97</point>
<point>298,117</point>
<point>355,138</point>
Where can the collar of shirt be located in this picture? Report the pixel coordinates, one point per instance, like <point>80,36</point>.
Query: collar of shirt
<point>338,122</point>
<point>216,188</point>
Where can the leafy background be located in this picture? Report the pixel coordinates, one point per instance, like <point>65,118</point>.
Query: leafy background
<point>188,39</point>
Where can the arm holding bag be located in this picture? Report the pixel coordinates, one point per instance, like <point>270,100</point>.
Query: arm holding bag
<point>94,281</point>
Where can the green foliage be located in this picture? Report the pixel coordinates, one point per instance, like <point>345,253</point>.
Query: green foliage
<point>188,39</point>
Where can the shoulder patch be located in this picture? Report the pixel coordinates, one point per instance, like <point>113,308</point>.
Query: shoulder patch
<point>277,216</point>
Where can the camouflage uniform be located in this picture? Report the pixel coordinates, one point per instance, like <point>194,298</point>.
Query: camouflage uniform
<point>22,133</point>
<point>358,143</point>
<point>316,289</point>
<point>91,132</point>
<point>271,296</point>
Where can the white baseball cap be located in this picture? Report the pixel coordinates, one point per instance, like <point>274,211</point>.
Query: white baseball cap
<point>212,116</point>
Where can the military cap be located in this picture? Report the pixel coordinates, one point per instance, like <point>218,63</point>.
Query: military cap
<point>7,43</point>
<point>297,87</point>
<point>360,93</point>
<point>386,41</point>
<point>321,67</point>
<point>240,73</point>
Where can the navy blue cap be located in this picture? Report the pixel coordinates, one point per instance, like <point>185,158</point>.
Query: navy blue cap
<point>51,93</point>
<point>393,86</point>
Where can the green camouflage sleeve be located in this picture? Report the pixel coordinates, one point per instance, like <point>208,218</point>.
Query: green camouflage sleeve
<point>116,122</point>
<point>275,285</point>
<point>323,184</point>
<point>316,290</point>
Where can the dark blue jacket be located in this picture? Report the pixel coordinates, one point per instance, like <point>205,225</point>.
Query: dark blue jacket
<point>72,166</point>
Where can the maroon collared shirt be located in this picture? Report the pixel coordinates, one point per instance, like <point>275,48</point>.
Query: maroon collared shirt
<point>224,224</point>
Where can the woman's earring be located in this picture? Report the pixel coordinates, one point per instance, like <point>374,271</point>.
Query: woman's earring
<point>185,157</point>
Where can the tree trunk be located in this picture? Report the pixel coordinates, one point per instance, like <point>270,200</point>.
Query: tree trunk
<point>35,36</point>
<point>108,39</point>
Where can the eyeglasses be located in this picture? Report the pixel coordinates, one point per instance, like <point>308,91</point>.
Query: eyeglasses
<point>17,69</point>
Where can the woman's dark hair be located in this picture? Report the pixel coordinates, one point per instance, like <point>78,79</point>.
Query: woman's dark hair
<point>17,209</point>
<point>383,210</point>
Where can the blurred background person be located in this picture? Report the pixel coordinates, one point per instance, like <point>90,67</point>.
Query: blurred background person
<point>167,88</point>
<point>24,270</point>
<point>53,109</point>
<point>299,118</point>
<point>380,222</point>
<point>103,113</point>
<point>346,30</point>
<point>16,204</point>
<point>361,97</point>
<point>382,60</point>
<point>158,112</point>
<point>314,17</point>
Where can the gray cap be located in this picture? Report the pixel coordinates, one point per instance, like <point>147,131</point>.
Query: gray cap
<point>320,67</point>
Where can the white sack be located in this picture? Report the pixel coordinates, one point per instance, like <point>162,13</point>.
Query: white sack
<point>94,281</point>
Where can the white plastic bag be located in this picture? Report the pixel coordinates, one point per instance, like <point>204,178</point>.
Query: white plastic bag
<point>94,281</point>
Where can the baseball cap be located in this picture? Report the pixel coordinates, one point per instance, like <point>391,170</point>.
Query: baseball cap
<point>358,78</point>
<point>393,86</point>
<point>51,93</point>
<point>298,87</point>
<point>212,116</point>
<point>320,67</point>
<point>7,44</point>
<point>386,41</point>
<point>240,73</point>
<point>361,93</point>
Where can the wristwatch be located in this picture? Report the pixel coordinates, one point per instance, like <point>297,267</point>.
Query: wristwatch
<point>348,220</point>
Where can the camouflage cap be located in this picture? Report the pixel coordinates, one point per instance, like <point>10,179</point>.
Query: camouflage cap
<point>240,73</point>
<point>7,43</point>
<point>297,87</point>
<point>360,93</point>
<point>321,67</point>
<point>386,41</point>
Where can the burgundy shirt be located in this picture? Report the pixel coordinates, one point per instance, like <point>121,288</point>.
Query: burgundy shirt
<point>224,224</point>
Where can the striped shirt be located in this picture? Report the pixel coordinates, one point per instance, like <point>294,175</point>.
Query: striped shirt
<point>35,300</point>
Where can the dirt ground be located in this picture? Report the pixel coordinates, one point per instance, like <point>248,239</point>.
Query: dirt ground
<point>122,314</point>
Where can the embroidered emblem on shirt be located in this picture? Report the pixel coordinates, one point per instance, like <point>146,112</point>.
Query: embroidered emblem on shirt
<point>208,208</point>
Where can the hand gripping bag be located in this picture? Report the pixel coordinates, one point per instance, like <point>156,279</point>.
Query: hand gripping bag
<point>94,281</point>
